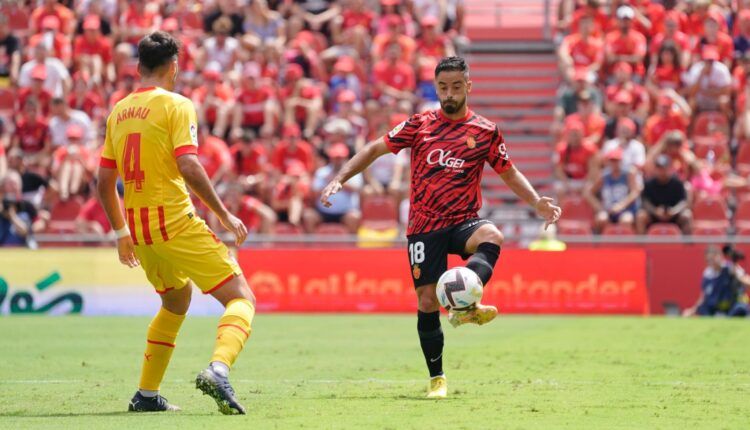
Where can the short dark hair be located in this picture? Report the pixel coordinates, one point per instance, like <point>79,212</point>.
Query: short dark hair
<point>156,50</point>
<point>452,64</point>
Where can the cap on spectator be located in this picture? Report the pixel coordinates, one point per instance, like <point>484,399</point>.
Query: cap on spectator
<point>211,75</point>
<point>398,118</point>
<point>344,64</point>
<point>293,72</point>
<point>338,150</point>
<point>625,12</point>
<point>623,67</point>
<point>623,97</point>
<point>295,168</point>
<point>662,160</point>
<point>92,22</point>
<point>346,96</point>
<point>710,52</point>
<point>429,21</point>
<point>581,75</point>
<point>390,2</point>
<point>291,130</point>
<point>574,125</point>
<point>665,100</point>
<point>627,123</point>
<point>615,154</point>
<point>51,22</point>
<point>744,15</point>
<point>39,72</point>
<point>170,24</point>
<point>74,131</point>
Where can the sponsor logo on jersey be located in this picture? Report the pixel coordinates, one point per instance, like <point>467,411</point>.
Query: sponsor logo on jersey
<point>471,142</point>
<point>443,158</point>
<point>396,129</point>
<point>194,134</point>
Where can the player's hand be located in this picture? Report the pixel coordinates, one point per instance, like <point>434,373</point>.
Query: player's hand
<point>236,227</point>
<point>548,211</point>
<point>126,250</point>
<point>332,188</point>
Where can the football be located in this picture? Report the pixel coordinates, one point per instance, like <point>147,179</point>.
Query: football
<point>459,288</point>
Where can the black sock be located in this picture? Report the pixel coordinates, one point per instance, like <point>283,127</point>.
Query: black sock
<point>483,261</point>
<point>431,339</point>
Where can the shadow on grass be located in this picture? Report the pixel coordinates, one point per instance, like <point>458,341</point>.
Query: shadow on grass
<point>99,414</point>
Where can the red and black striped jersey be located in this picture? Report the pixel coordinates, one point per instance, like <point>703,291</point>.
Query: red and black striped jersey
<point>447,162</point>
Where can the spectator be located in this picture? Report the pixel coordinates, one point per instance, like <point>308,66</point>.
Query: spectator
<point>626,44</point>
<point>624,84</point>
<point>432,43</point>
<point>214,156</point>
<point>345,77</point>
<point>58,80</point>
<point>221,48</point>
<point>666,71</point>
<point>64,16</point>
<point>581,51</point>
<point>214,102</point>
<point>382,43</point>
<point>72,164</point>
<point>346,110</point>
<point>17,215</point>
<point>250,158</point>
<point>56,42</point>
<point>593,121</point>
<point>93,51</point>
<point>614,193</point>
<point>742,40</point>
<point>256,215</point>
<point>664,199</point>
<point>84,98</point>
<point>573,159</point>
<point>674,146</point>
<point>717,39</point>
<point>266,24</point>
<point>721,291</point>
<point>32,134</point>
<point>568,96</point>
<point>393,77</point>
<point>673,113</point>
<point>10,61</point>
<point>139,19</point>
<point>345,204</point>
<point>593,11</point>
<point>673,36</point>
<point>293,150</point>
<point>92,219</point>
<point>303,100</point>
<point>256,107</point>
<point>36,90</point>
<point>709,83</point>
<point>621,110</point>
<point>62,117</point>
<point>633,152</point>
<point>34,181</point>
<point>289,194</point>
<point>126,84</point>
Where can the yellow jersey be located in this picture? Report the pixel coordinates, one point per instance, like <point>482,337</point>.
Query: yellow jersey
<point>146,132</point>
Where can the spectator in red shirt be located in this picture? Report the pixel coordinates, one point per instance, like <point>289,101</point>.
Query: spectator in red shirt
<point>672,34</point>
<point>395,35</point>
<point>92,219</point>
<point>214,155</point>
<point>250,158</point>
<point>64,16</point>
<point>293,150</point>
<point>72,164</point>
<point>592,10</point>
<point>37,90</point>
<point>697,18</point>
<point>140,19</point>
<point>186,56</point>
<point>51,33</point>
<point>624,84</point>
<point>681,158</point>
<point>713,37</point>
<point>32,134</point>
<point>256,215</point>
<point>126,84</point>
<point>93,51</point>
<point>85,99</point>
<point>289,194</point>
<point>666,72</point>
<point>214,102</point>
<point>581,50</point>
<point>393,77</point>
<point>432,43</point>
<point>592,119</point>
<point>303,100</point>
<point>626,44</point>
<point>667,118</point>
<point>256,107</point>
<point>573,159</point>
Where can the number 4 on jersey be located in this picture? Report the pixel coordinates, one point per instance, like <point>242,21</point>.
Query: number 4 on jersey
<point>132,161</point>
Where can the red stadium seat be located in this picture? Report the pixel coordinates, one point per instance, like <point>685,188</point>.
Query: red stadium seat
<point>708,230</point>
<point>66,211</point>
<point>331,229</point>
<point>379,208</point>
<point>743,159</point>
<point>618,230</point>
<point>284,228</point>
<point>742,214</point>
<point>569,229</point>
<point>704,146</point>
<point>7,102</point>
<point>578,209</point>
<point>743,231</point>
<point>664,229</point>
<point>710,124</point>
<point>710,212</point>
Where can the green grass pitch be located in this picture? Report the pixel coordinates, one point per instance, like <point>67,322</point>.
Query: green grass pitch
<point>356,372</point>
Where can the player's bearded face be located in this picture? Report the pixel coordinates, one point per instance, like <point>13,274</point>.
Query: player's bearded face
<point>452,104</point>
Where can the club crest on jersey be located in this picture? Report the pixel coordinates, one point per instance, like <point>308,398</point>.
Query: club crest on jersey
<point>471,142</point>
<point>416,272</point>
<point>396,129</point>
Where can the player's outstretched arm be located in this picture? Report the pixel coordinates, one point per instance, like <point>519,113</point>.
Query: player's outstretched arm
<point>543,206</point>
<point>106,187</point>
<point>357,164</point>
<point>198,181</point>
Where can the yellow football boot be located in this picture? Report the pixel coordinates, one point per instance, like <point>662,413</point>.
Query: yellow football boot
<point>438,388</point>
<point>479,315</point>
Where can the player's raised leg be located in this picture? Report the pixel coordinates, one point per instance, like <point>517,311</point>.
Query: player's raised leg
<point>234,328</point>
<point>160,343</point>
<point>484,247</point>
<point>431,339</point>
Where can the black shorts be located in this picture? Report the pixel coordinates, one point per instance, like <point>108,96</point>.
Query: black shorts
<point>428,252</point>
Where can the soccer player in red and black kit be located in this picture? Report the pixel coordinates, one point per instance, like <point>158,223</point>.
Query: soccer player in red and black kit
<point>449,147</point>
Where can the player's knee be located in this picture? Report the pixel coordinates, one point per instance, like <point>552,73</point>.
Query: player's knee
<point>494,236</point>
<point>427,299</point>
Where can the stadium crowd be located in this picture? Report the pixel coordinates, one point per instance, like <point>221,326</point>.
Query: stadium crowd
<point>653,122</point>
<point>285,91</point>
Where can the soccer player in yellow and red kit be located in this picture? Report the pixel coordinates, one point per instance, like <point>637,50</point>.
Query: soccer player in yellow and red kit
<point>151,143</point>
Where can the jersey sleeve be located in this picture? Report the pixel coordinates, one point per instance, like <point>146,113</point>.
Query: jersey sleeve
<point>403,135</point>
<point>184,129</point>
<point>108,158</point>
<point>498,156</point>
